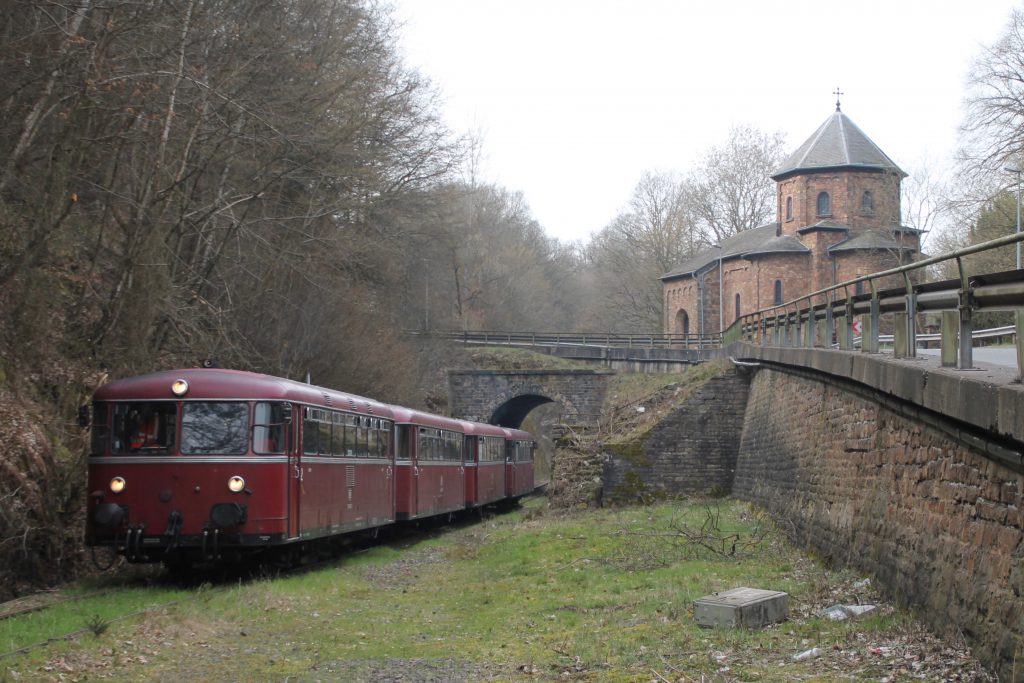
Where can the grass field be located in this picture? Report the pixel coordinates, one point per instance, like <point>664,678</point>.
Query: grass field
<point>534,595</point>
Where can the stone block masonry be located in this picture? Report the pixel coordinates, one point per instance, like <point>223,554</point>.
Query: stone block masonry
<point>937,523</point>
<point>692,451</point>
<point>506,396</point>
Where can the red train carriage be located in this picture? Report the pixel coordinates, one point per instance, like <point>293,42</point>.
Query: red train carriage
<point>519,448</point>
<point>203,463</point>
<point>429,465</point>
<point>480,491</point>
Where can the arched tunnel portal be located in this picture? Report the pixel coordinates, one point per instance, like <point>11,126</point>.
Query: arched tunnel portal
<point>505,397</point>
<point>512,412</point>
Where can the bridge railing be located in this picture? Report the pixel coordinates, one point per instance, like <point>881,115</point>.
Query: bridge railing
<point>829,316</point>
<point>602,339</point>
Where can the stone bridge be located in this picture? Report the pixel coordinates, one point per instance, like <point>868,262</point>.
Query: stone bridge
<point>506,397</point>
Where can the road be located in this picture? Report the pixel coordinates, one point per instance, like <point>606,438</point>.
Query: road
<point>1005,356</point>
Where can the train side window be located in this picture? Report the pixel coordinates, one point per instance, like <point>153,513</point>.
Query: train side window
<point>385,438</point>
<point>337,434</point>
<point>325,437</point>
<point>362,439</point>
<point>310,432</point>
<point>371,441</point>
<point>404,450</point>
<point>268,434</point>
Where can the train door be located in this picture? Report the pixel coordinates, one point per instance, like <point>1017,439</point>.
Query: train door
<point>389,447</point>
<point>469,468</point>
<point>293,472</point>
<point>405,471</point>
<point>510,468</point>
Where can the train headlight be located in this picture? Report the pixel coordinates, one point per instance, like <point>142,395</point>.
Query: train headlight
<point>179,387</point>
<point>236,484</point>
<point>117,484</point>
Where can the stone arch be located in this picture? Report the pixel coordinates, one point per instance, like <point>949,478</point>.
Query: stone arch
<point>510,407</point>
<point>682,322</point>
<point>505,397</point>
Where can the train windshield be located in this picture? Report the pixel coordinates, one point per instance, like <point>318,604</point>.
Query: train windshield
<point>214,427</point>
<point>144,426</point>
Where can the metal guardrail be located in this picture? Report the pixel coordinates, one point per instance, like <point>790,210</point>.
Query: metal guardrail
<point>828,315</point>
<point>602,339</point>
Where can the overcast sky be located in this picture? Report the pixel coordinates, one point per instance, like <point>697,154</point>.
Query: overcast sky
<point>576,99</point>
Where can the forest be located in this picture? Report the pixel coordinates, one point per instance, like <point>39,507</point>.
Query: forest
<point>266,186</point>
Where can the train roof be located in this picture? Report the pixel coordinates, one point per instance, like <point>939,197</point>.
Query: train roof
<point>481,429</point>
<point>518,434</point>
<point>418,417</point>
<point>221,384</point>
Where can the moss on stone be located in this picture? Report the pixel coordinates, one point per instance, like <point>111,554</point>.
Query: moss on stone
<point>634,452</point>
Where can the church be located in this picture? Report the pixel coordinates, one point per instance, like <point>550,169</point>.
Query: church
<point>837,218</point>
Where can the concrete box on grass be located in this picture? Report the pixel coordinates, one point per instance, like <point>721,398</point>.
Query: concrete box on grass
<point>746,607</point>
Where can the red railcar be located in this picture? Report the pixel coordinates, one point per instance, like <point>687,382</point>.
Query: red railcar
<point>430,470</point>
<point>519,448</point>
<point>211,464</point>
<point>483,481</point>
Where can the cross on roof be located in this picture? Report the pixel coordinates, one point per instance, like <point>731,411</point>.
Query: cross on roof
<point>837,94</point>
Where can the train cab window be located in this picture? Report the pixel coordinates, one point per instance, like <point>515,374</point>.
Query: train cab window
<point>144,426</point>
<point>268,432</point>
<point>215,427</point>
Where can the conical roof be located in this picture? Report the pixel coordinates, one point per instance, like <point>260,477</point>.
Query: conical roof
<point>838,143</point>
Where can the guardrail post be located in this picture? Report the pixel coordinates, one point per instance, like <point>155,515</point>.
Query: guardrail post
<point>948,341</point>
<point>846,331</point>
<point>1019,324</point>
<point>911,322</point>
<point>870,323</point>
<point>965,306</point>
<point>830,325</point>
<point>899,335</point>
<point>809,327</point>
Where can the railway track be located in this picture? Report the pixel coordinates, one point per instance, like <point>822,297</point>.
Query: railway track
<point>41,601</point>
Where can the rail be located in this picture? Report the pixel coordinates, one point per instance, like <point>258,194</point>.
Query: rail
<point>603,339</point>
<point>829,315</point>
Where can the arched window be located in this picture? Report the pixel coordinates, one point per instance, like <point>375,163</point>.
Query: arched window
<point>824,204</point>
<point>737,307</point>
<point>682,322</point>
<point>778,292</point>
<point>789,208</point>
<point>867,203</point>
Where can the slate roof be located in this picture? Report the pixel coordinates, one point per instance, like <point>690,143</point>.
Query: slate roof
<point>758,241</point>
<point>871,239</point>
<point>838,143</point>
<point>825,225</point>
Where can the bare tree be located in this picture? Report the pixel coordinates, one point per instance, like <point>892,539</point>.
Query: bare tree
<point>730,191</point>
<point>642,243</point>
<point>993,126</point>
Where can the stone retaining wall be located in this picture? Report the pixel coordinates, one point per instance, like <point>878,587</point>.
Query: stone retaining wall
<point>939,525</point>
<point>691,451</point>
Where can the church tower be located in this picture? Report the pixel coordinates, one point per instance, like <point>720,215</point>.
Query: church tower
<point>839,194</point>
